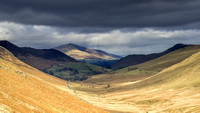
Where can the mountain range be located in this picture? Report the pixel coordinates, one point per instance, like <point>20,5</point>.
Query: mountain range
<point>160,82</point>
<point>53,62</point>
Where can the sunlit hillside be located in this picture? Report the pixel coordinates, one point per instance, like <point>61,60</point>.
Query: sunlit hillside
<point>99,56</point>
<point>87,55</point>
<point>146,69</point>
<point>135,59</point>
<point>173,90</point>
<point>80,53</point>
<point>24,89</point>
<point>158,64</point>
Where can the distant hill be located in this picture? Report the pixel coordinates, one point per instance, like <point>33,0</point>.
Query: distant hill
<point>92,56</point>
<point>25,89</point>
<point>53,62</point>
<point>80,53</point>
<point>138,59</point>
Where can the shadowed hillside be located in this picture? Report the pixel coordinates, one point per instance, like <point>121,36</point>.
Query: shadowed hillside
<point>37,58</point>
<point>25,89</point>
<point>53,62</point>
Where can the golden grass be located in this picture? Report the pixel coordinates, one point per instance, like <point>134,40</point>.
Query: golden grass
<point>77,54</point>
<point>25,89</point>
<point>156,65</point>
<point>173,90</point>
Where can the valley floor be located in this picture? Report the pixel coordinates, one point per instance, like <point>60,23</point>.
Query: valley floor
<point>148,100</point>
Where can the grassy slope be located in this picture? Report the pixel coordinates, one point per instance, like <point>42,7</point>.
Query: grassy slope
<point>155,67</point>
<point>173,90</point>
<point>183,74</point>
<point>131,60</point>
<point>25,89</point>
<point>158,64</point>
<point>141,71</point>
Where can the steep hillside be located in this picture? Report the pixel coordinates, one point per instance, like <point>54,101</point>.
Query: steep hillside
<point>160,63</point>
<point>138,59</point>
<point>25,89</point>
<point>53,62</point>
<point>92,56</point>
<point>183,74</point>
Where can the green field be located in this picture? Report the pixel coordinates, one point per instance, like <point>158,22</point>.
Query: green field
<point>74,71</point>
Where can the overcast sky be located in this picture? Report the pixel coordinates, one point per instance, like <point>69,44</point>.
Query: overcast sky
<point>118,26</point>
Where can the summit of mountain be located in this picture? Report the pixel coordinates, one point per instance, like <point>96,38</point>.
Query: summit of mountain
<point>80,52</point>
<point>17,51</point>
<point>87,55</point>
<point>70,46</point>
<point>50,54</point>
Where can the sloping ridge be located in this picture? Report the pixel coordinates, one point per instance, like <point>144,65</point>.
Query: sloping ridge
<point>50,54</point>
<point>70,46</point>
<point>38,58</point>
<point>167,60</point>
<point>79,52</point>
<point>183,74</point>
<point>147,69</point>
<point>53,62</point>
<point>25,89</point>
<point>138,59</point>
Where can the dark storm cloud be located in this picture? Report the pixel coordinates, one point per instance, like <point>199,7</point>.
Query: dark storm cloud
<point>101,13</point>
<point>117,26</point>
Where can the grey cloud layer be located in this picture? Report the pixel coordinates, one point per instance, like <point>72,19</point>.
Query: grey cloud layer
<point>138,41</point>
<point>101,13</point>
